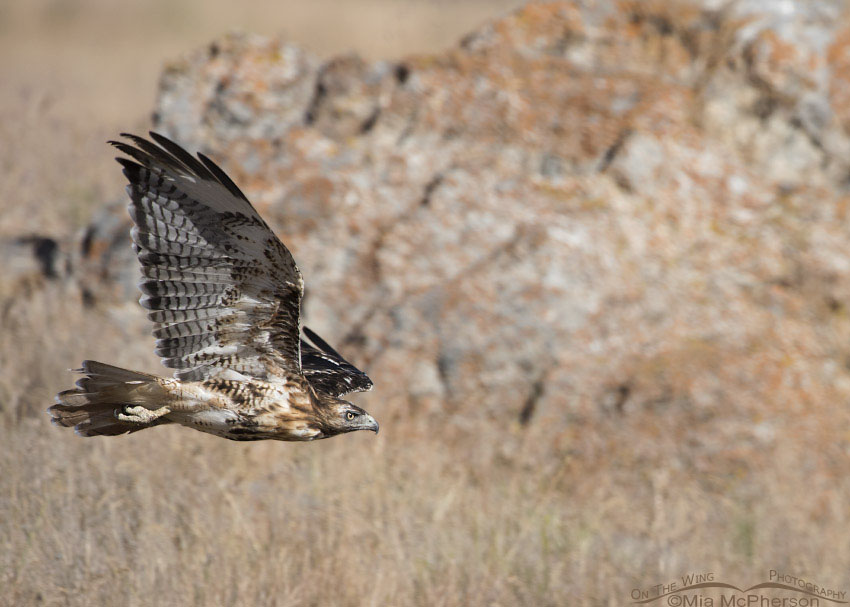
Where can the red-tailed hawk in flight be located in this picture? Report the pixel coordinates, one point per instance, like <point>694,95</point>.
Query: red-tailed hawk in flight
<point>224,295</point>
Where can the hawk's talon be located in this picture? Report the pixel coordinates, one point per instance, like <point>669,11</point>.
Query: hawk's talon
<point>139,414</point>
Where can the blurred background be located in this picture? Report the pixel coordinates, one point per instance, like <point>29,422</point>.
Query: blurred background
<point>70,66</point>
<point>592,253</point>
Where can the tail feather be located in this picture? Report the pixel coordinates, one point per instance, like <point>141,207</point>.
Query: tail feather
<point>92,408</point>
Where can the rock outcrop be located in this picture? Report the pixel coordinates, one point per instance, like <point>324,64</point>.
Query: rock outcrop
<point>577,214</point>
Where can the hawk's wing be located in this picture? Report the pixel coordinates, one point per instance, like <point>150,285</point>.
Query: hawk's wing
<point>222,290</point>
<point>329,372</point>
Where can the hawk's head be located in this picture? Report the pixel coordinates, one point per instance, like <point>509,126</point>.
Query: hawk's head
<point>340,416</point>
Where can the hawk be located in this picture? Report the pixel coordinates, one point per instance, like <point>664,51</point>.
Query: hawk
<point>224,295</point>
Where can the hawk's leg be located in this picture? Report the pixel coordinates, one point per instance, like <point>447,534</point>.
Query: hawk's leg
<point>140,415</point>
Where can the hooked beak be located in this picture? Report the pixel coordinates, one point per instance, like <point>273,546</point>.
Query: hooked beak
<point>373,425</point>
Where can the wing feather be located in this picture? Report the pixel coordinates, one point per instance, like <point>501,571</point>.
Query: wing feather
<point>326,369</point>
<point>180,287</point>
<point>222,290</point>
<point>222,176</point>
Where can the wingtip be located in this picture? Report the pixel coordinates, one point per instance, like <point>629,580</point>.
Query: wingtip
<point>160,139</point>
<point>116,142</point>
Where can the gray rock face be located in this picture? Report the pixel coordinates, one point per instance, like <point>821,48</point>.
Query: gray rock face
<point>578,211</point>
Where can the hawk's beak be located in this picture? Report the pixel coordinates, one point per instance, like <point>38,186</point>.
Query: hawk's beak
<point>373,425</point>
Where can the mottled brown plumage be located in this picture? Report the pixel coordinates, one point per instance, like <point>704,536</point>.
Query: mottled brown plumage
<point>224,295</point>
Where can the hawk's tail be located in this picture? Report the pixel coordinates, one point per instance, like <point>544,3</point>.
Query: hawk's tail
<point>93,407</point>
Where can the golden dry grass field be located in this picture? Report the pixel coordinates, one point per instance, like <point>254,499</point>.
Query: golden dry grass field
<point>430,512</point>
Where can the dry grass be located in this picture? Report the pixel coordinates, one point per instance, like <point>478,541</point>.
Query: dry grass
<point>437,510</point>
<point>426,513</point>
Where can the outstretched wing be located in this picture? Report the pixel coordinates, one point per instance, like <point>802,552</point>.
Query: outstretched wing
<point>329,372</point>
<point>222,290</point>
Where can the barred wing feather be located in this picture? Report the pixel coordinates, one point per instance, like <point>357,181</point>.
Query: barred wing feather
<point>327,371</point>
<point>222,290</point>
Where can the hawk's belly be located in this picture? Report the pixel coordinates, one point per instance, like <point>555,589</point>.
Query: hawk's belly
<point>216,421</point>
<point>245,410</point>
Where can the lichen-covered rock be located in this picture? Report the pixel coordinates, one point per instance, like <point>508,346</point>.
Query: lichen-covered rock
<point>628,208</point>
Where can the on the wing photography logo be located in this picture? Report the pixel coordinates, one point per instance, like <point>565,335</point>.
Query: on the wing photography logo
<point>706,590</point>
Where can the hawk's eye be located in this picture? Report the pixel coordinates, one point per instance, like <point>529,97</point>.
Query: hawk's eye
<point>350,415</point>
